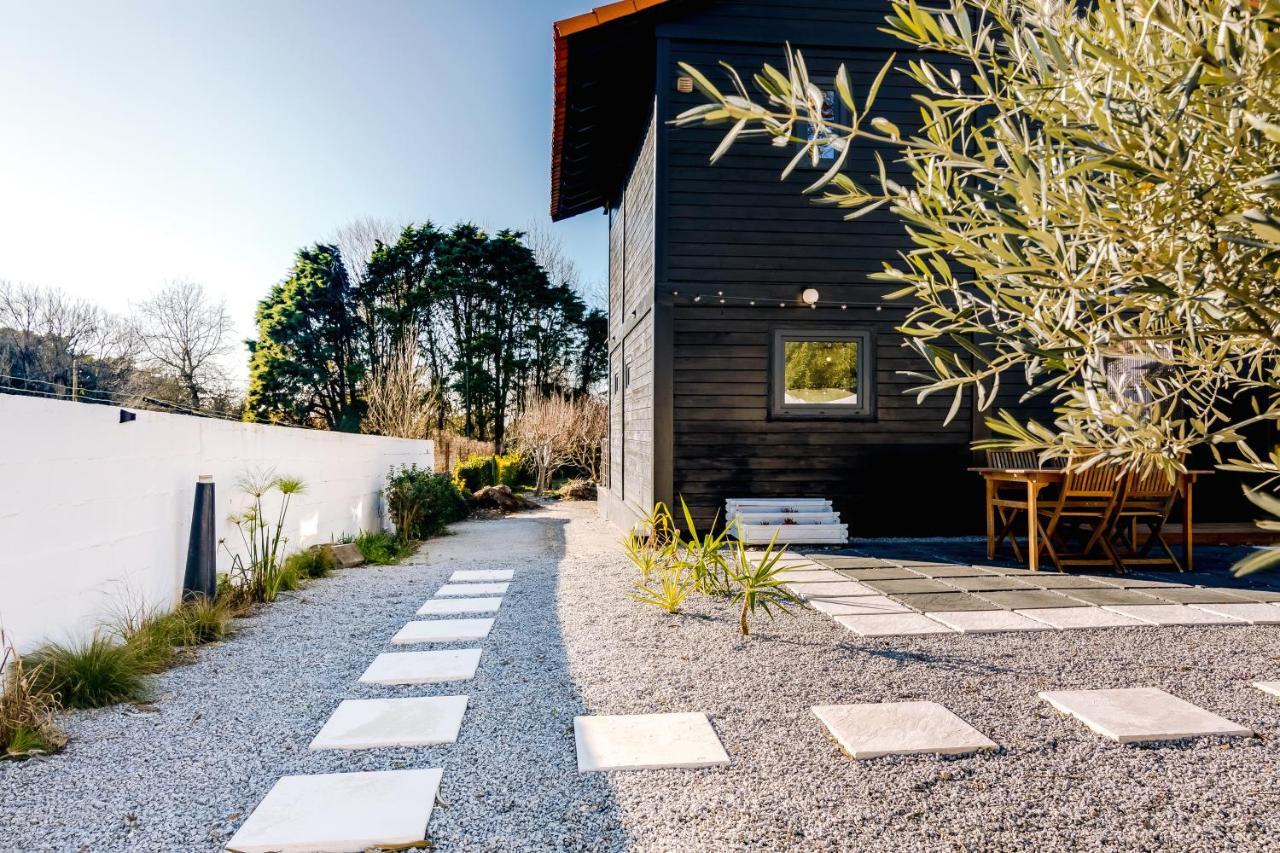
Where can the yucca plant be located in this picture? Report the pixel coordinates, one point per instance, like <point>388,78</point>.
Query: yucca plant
<point>27,726</point>
<point>758,585</point>
<point>668,584</point>
<point>706,556</point>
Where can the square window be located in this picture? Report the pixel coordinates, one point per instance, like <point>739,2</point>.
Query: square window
<point>821,374</point>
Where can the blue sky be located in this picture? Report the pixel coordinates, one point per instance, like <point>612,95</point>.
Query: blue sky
<point>144,141</point>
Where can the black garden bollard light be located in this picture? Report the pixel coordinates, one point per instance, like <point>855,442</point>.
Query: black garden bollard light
<point>202,574</point>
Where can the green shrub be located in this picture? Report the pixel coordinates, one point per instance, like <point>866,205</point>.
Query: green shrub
<point>311,563</point>
<point>90,674</point>
<point>207,620</point>
<point>422,503</point>
<point>475,472</point>
<point>26,710</point>
<point>511,469</point>
<point>383,549</point>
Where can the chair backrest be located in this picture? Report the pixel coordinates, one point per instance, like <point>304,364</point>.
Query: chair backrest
<point>1012,459</point>
<point>1099,481</point>
<point>1148,485</point>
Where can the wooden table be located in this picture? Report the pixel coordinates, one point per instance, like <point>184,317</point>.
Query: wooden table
<point>1037,478</point>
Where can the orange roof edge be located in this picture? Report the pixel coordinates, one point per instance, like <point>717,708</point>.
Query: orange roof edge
<point>603,15</point>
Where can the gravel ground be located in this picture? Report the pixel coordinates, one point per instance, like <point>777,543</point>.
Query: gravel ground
<point>569,641</point>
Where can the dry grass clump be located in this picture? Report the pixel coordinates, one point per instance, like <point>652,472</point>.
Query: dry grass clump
<point>26,711</point>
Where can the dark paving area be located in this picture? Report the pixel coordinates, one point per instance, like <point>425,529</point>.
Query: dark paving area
<point>933,575</point>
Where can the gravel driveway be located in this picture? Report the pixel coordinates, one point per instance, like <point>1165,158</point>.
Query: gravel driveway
<point>569,640</point>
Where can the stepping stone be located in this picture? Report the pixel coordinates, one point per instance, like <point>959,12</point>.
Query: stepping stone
<point>988,621</point>
<point>443,631</point>
<point>949,571</point>
<point>340,812</point>
<point>900,728</point>
<point>1071,582</point>
<point>867,605</point>
<point>1197,595</point>
<point>933,602</point>
<point>989,583</point>
<point>454,589</point>
<point>646,741</point>
<point>908,586</point>
<point>1253,612</point>
<point>1172,614</point>
<point>482,575</point>
<point>893,625</point>
<point>1111,595</point>
<point>1068,618</point>
<point>373,723</point>
<point>434,667</point>
<point>852,562</point>
<point>449,606</point>
<point>843,589</point>
<point>1141,713</point>
<point>811,576</point>
<point>1272,687</point>
<point>885,574</point>
<point>1029,599</point>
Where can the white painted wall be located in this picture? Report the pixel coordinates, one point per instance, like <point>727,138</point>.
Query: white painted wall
<point>95,514</point>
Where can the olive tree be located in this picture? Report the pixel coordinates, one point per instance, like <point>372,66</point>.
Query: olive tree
<point>1092,198</point>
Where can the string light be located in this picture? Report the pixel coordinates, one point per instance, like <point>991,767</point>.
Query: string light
<point>754,302</point>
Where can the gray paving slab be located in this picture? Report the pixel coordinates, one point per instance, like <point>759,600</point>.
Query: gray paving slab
<point>1006,570</point>
<point>900,728</point>
<point>1045,580</point>
<point>929,602</point>
<point>910,585</point>
<point>989,583</point>
<point>1141,714</point>
<point>949,571</point>
<point>885,574</point>
<point>1030,599</point>
<point>1198,595</point>
<point>1258,595</point>
<point>870,605</point>
<point>843,589</point>
<point>852,562</point>
<point>1111,595</point>
<point>810,576</point>
<point>1128,582</point>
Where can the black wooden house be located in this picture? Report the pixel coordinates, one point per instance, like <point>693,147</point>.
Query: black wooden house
<point>712,270</point>
<point>711,267</point>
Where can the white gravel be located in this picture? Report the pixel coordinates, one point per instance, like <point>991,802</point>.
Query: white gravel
<point>568,640</point>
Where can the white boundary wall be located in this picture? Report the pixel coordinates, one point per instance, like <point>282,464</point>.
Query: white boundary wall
<point>96,514</point>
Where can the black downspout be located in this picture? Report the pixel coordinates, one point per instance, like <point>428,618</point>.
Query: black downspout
<point>202,574</point>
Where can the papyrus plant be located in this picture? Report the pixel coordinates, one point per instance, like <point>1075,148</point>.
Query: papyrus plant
<point>1092,186</point>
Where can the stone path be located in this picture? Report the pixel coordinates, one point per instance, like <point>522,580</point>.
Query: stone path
<point>879,597</point>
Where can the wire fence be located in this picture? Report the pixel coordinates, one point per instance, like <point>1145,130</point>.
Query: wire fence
<point>105,397</point>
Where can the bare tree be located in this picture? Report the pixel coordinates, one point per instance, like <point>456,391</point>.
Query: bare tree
<point>542,434</point>
<point>183,334</point>
<point>358,238</point>
<point>401,399</point>
<point>586,438</point>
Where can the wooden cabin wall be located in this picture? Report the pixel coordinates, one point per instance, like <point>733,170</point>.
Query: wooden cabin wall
<point>631,334</point>
<point>736,229</point>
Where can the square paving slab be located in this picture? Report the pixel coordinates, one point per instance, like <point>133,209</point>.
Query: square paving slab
<point>1029,599</point>
<point>852,562</point>
<point>811,576</point>
<point>913,585</point>
<point>1007,570</point>
<point>867,605</point>
<point>646,741</point>
<point>1172,614</point>
<point>1067,618</point>
<point>1140,713</point>
<point>1140,583</point>
<point>1111,595</point>
<point>340,812</point>
<point>900,728</point>
<point>1044,580</point>
<point>989,583</point>
<point>843,589</point>
<point>930,602</point>
<point>1258,595</point>
<point>1272,687</point>
<point>466,575</point>
<point>949,571</point>
<point>1253,612</point>
<point>450,606</point>
<point>988,621</point>
<point>433,667</point>
<point>886,574</point>
<point>893,625</point>
<point>457,589</point>
<point>1196,595</point>
<point>374,723</point>
<point>443,631</point>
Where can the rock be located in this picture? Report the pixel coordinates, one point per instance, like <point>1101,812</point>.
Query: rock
<point>345,556</point>
<point>578,490</point>
<point>500,497</point>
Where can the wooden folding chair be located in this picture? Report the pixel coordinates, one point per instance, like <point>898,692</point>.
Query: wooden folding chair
<point>1008,500</point>
<point>1084,511</point>
<point>1147,501</point>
